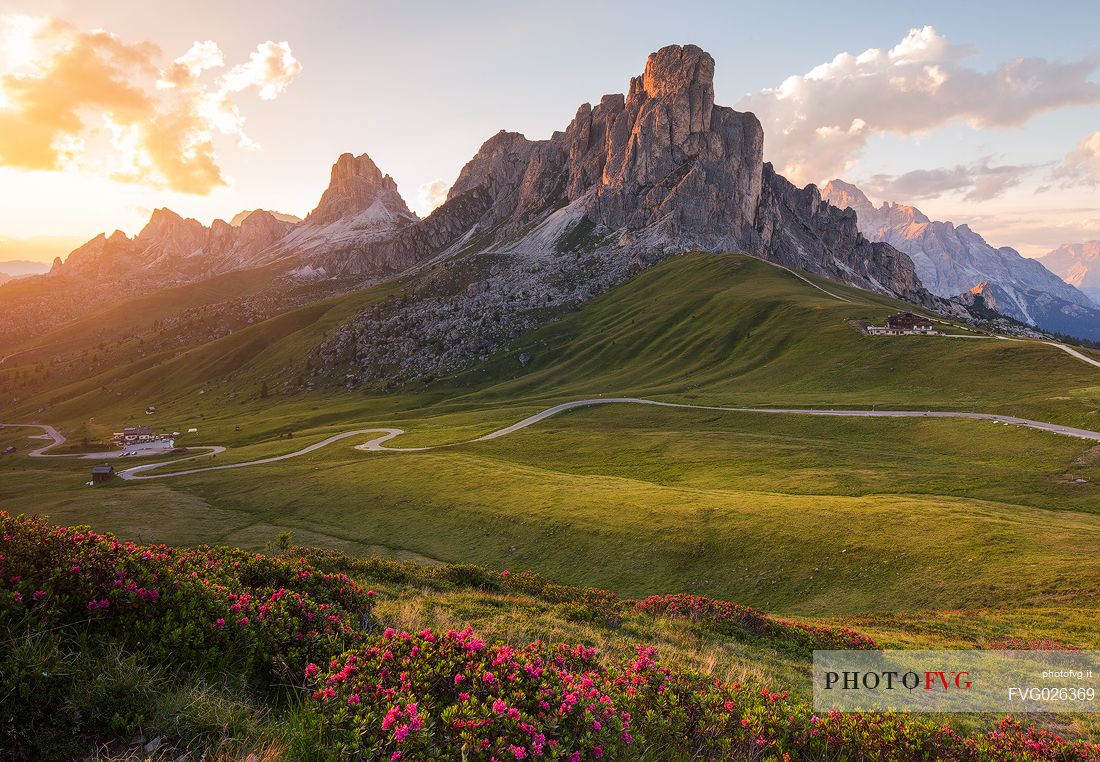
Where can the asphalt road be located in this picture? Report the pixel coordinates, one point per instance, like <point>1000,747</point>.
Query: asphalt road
<point>384,435</point>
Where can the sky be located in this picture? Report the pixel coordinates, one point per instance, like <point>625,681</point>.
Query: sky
<point>110,109</point>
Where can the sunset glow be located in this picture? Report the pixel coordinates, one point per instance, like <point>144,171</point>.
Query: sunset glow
<point>133,117</point>
<point>556,381</point>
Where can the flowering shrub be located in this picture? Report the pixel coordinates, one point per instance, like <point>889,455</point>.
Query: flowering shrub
<point>79,607</point>
<point>177,604</point>
<point>730,618</point>
<point>430,696</point>
<point>452,696</point>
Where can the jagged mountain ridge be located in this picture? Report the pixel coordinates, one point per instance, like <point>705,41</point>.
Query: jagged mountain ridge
<point>172,249</point>
<point>1077,264</point>
<point>663,167</point>
<point>532,226</point>
<point>952,260</point>
<point>359,206</point>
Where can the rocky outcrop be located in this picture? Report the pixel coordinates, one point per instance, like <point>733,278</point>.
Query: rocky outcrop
<point>1078,264</point>
<point>531,227</point>
<point>668,156</point>
<point>797,228</point>
<point>952,260</point>
<point>356,188</point>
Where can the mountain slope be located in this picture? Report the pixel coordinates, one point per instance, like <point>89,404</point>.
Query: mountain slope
<point>1078,264</point>
<point>953,260</point>
<point>731,329</point>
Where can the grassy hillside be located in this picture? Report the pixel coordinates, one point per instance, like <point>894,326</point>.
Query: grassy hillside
<point>824,517</point>
<point>722,329</point>
<point>136,315</point>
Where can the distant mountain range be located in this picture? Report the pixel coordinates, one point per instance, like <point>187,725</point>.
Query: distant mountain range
<point>1078,264</point>
<point>17,268</point>
<point>954,260</point>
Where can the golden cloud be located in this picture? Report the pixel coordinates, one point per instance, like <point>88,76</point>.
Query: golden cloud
<point>432,194</point>
<point>92,101</point>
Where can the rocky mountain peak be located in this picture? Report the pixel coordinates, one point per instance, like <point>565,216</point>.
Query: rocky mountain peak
<point>681,78</point>
<point>164,224</point>
<point>871,218</point>
<point>356,185</point>
<point>240,217</point>
<point>658,171</point>
<point>843,195</point>
<point>261,228</point>
<point>1078,264</point>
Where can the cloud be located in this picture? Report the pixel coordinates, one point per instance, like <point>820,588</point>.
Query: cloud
<point>432,194</point>
<point>1081,165</point>
<point>979,181</point>
<point>270,68</point>
<point>90,101</point>
<point>817,124</point>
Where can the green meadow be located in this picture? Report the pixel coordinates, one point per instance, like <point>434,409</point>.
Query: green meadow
<point>876,521</point>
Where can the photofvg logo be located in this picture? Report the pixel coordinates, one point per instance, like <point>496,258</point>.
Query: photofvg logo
<point>957,681</point>
<point>890,680</point>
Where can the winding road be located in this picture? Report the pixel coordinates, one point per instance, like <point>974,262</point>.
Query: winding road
<point>384,435</point>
